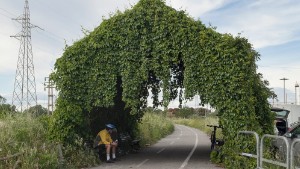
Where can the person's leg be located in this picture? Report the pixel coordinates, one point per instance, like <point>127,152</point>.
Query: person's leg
<point>114,147</point>
<point>107,146</point>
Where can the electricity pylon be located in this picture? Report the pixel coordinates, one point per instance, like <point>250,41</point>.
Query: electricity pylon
<point>24,95</point>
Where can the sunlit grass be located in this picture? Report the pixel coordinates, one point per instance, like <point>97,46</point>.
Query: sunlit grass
<point>24,144</point>
<point>200,123</point>
<point>153,127</point>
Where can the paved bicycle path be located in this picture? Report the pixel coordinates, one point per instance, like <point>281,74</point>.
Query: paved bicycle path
<point>185,148</point>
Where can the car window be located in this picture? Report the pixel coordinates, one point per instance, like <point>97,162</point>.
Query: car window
<point>281,113</point>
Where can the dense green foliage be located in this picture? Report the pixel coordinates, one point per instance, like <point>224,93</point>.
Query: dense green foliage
<point>154,47</point>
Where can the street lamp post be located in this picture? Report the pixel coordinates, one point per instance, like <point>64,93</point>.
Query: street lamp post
<point>296,85</point>
<point>284,79</point>
<point>272,95</point>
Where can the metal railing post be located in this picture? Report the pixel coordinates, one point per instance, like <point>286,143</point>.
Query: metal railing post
<point>292,153</point>
<point>257,155</point>
<point>287,164</point>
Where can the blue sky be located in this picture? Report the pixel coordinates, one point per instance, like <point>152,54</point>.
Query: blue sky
<point>272,26</point>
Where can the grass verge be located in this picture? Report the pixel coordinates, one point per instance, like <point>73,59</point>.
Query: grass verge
<point>153,127</point>
<point>24,144</point>
<point>200,123</point>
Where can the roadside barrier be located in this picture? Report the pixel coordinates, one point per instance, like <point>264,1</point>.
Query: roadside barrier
<point>286,164</point>
<point>296,166</point>
<point>287,150</point>
<point>257,146</point>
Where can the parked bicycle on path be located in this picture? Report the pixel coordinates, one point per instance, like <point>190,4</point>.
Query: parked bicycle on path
<point>213,139</point>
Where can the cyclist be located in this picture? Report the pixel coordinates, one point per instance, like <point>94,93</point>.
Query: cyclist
<point>104,137</point>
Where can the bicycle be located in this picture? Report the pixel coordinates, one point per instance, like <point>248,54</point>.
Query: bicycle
<point>213,139</point>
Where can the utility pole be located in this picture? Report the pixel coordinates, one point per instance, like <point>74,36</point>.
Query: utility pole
<point>296,85</point>
<point>49,84</point>
<point>284,98</point>
<point>24,94</point>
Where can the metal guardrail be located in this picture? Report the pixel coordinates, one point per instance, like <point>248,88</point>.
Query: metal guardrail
<point>293,153</point>
<point>257,155</point>
<point>287,161</point>
<point>289,153</point>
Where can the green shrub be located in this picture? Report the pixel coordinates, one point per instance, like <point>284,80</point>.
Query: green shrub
<point>79,157</point>
<point>153,127</point>
<point>185,112</point>
<point>25,138</point>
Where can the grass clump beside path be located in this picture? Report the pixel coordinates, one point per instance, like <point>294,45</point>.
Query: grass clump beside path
<point>153,127</point>
<point>24,144</point>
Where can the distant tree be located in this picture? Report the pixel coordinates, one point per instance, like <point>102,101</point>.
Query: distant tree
<point>185,112</point>
<point>2,100</point>
<point>201,111</point>
<point>151,109</point>
<point>5,108</point>
<point>36,111</point>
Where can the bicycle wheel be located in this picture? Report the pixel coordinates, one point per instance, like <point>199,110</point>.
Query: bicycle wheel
<point>213,140</point>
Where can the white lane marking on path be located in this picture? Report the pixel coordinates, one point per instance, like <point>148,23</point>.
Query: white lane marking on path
<point>180,131</point>
<point>160,150</point>
<point>191,153</point>
<point>119,167</point>
<point>142,163</point>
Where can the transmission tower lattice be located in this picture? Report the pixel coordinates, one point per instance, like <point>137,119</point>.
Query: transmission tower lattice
<point>24,95</point>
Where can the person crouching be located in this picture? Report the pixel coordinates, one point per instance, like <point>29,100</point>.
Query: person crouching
<point>110,145</point>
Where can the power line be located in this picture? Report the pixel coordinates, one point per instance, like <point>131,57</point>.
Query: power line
<point>5,15</point>
<point>8,12</point>
<point>281,67</point>
<point>53,36</point>
<point>60,14</point>
<point>4,34</point>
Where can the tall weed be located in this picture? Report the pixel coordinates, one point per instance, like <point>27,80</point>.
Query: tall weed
<point>153,127</point>
<point>23,144</point>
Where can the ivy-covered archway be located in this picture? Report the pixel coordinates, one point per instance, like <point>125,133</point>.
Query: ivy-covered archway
<point>155,47</point>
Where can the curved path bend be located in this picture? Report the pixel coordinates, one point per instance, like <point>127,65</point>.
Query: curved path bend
<point>185,148</point>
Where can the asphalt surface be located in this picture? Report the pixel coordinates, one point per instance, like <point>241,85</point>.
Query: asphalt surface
<point>185,148</point>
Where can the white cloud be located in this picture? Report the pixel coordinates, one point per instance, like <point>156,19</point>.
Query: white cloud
<point>264,23</point>
<point>197,8</point>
